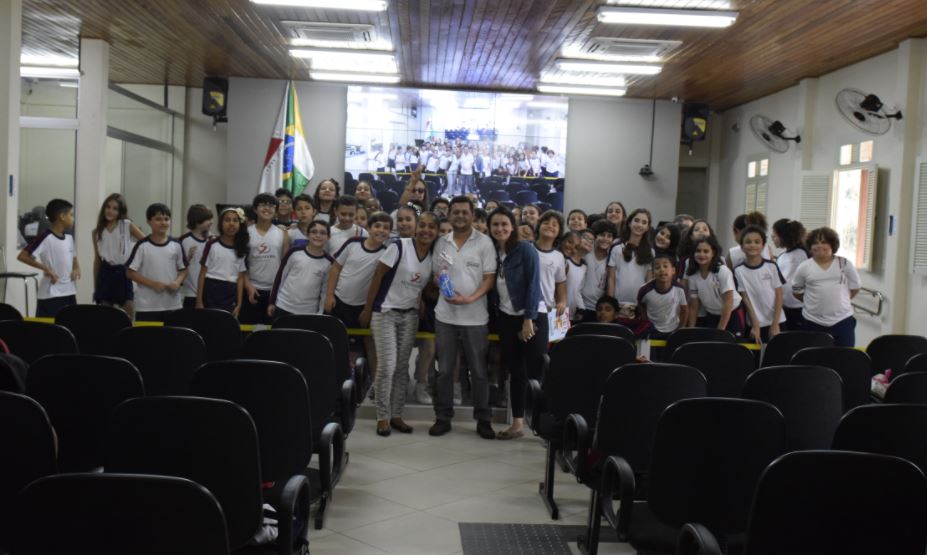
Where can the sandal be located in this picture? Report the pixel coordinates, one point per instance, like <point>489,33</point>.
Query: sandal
<point>383,428</point>
<point>400,425</point>
<point>510,434</point>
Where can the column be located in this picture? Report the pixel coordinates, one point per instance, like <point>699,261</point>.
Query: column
<point>11,28</point>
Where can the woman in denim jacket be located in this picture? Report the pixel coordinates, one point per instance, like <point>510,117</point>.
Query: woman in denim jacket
<point>522,329</point>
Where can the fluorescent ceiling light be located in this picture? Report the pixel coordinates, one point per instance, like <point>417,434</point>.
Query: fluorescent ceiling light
<point>682,4</point>
<point>361,5</point>
<point>563,89</point>
<point>353,77</point>
<point>69,84</point>
<point>567,79</point>
<point>50,60</point>
<point>318,43</point>
<point>49,72</point>
<point>577,52</point>
<point>655,16</point>
<point>606,67</point>
<point>354,60</point>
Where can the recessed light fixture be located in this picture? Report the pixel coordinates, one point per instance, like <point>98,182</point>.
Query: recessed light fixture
<point>48,60</point>
<point>49,72</point>
<point>592,66</point>
<point>360,5</point>
<point>354,77</point>
<point>318,43</point>
<point>657,16</point>
<point>594,91</point>
<point>354,60</point>
<point>680,4</point>
<point>567,79</point>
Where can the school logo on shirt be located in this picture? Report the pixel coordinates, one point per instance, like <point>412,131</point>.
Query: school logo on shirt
<point>416,277</point>
<point>263,248</point>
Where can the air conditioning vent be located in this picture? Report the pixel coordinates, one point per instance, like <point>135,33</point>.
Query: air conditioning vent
<point>348,33</point>
<point>619,49</point>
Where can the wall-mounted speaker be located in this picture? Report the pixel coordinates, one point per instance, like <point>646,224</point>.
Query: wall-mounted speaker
<point>694,122</point>
<point>215,97</point>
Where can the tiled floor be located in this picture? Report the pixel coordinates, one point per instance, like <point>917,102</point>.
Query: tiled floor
<point>405,494</point>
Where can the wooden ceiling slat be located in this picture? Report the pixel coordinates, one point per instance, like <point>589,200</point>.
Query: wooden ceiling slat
<point>474,44</point>
<point>459,42</point>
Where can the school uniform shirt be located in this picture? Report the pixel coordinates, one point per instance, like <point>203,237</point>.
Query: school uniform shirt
<point>760,283</point>
<point>575,275</point>
<point>357,267</point>
<point>221,261</point>
<point>737,256</point>
<point>57,252</point>
<point>298,239</point>
<point>301,282</point>
<point>431,166</point>
<point>264,256</point>
<point>662,306</point>
<point>401,287</point>
<point>710,290</point>
<point>788,263</point>
<point>552,269</point>
<point>187,242</point>
<point>466,267</point>
<point>594,280</point>
<point>159,262</point>
<point>338,237</point>
<point>629,275</point>
<point>826,292</point>
<point>114,246</point>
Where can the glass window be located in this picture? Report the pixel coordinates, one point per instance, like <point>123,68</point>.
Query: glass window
<point>46,171</point>
<point>132,116</point>
<point>846,155</point>
<point>751,170</point>
<point>764,167</point>
<point>49,98</point>
<point>865,151</point>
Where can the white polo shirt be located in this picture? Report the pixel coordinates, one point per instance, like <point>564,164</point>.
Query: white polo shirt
<point>189,242</point>
<point>710,290</point>
<point>221,261</point>
<point>760,283</point>
<point>466,267</point>
<point>552,269</point>
<point>827,292</point>
<point>161,263</point>
<point>662,306</point>
<point>357,267</point>
<point>56,252</point>
<point>301,282</point>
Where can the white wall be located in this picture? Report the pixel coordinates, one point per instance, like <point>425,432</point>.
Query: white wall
<point>809,107</point>
<point>252,112</point>
<point>205,162</point>
<point>607,143</point>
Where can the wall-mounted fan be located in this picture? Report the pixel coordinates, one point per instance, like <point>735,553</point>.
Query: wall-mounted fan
<point>864,111</point>
<point>772,133</point>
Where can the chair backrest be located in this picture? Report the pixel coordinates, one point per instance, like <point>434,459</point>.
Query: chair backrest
<point>329,326</point>
<point>810,398</point>
<point>633,399</point>
<point>541,187</point>
<point>94,326</point>
<point>725,365</point>
<point>601,328</point>
<point>79,392</point>
<point>852,365</point>
<point>218,329</point>
<point>579,367</point>
<point>13,371</point>
<point>892,429</point>
<point>32,340</point>
<point>210,441</point>
<point>917,363</point>
<point>515,188</point>
<point>113,514</point>
<point>894,351</point>
<point>555,200</point>
<point>908,388</point>
<point>276,397</point>
<point>28,446</point>
<point>310,353</point>
<point>525,197</point>
<point>499,195</point>
<point>9,312</point>
<point>692,335</point>
<point>389,200</point>
<point>167,357</point>
<point>839,502</point>
<point>708,455</point>
<point>781,348</point>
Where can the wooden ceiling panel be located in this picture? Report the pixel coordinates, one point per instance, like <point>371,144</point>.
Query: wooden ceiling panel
<point>479,44</point>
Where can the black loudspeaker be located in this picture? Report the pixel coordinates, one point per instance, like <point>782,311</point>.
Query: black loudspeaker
<point>215,97</point>
<point>694,122</point>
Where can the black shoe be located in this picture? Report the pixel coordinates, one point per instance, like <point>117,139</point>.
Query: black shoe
<point>484,429</point>
<point>439,428</point>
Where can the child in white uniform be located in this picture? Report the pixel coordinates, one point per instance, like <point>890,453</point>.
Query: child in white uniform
<point>158,266</point>
<point>222,267</point>
<point>54,254</point>
<point>789,235</point>
<point>303,276</point>
<point>760,284</point>
<point>662,301</point>
<point>267,244</point>
<point>712,288</point>
<point>199,221</point>
<point>345,229</point>
<point>596,268</point>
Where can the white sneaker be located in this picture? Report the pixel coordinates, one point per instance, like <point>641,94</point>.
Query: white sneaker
<point>458,396</point>
<point>421,394</point>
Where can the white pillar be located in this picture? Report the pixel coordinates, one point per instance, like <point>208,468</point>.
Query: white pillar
<point>92,105</point>
<point>11,28</point>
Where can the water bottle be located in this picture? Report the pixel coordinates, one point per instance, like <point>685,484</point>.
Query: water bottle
<point>444,283</point>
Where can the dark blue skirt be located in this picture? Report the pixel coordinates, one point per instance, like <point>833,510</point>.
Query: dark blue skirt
<point>112,285</point>
<point>220,294</point>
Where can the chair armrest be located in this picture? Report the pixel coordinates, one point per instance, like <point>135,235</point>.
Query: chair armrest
<point>348,408</point>
<point>331,455</point>
<point>361,376</point>
<point>294,504</point>
<point>618,478</point>
<point>576,438</point>
<point>535,405</point>
<point>695,539</point>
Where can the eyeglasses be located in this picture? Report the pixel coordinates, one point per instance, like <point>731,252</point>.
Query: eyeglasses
<point>284,201</point>
<point>318,232</point>
<point>421,191</point>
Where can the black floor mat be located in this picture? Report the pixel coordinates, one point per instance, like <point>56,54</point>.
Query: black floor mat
<point>518,539</point>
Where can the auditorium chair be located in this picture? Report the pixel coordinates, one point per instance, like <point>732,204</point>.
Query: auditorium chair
<point>514,188</point>
<point>708,455</point>
<point>165,356</point>
<point>499,196</point>
<point>115,514</point>
<point>908,388</point>
<point>94,326</point>
<point>889,429</point>
<point>894,351</point>
<point>32,340</point>
<point>8,312</point>
<point>633,399</point>
<point>852,365</point>
<point>574,381</point>
<point>917,363</point>
<point>28,446</point>
<point>830,502</point>
<point>218,329</point>
<point>692,335</point>
<point>13,373</point>
<point>389,200</point>
<point>213,443</point>
<point>79,392</point>
<point>782,347</point>
<point>523,198</point>
<point>725,365</point>
<point>555,200</point>
<point>366,176</point>
<point>602,328</point>
<point>541,187</point>
<point>809,397</point>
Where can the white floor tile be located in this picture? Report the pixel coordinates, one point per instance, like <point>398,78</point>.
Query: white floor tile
<point>336,544</point>
<point>413,534</point>
<point>353,507</point>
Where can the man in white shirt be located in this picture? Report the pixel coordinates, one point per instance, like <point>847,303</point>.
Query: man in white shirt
<point>469,259</point>
<point>466,171</point>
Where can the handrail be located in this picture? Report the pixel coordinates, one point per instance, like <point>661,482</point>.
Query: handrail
<point>877,295</point>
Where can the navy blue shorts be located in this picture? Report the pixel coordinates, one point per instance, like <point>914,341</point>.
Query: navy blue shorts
<point>112,285</point>
<point>347,313</point>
